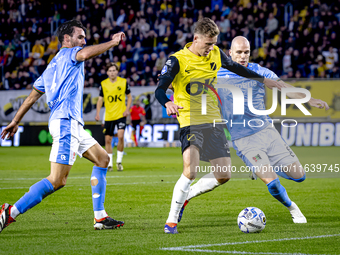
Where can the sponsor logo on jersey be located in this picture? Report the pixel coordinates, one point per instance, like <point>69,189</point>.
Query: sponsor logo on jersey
<point>257,157</point>
<point>168,62</point>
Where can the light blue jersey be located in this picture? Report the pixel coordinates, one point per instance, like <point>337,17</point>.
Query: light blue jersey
<point>63,83</point>
<point>239,125</point>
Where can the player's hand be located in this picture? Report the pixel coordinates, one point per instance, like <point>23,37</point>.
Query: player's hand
<point>97,118</point>
<point>172,109</point>
<point>10,130</point>
<point>318,103</point>
<point>116,38</point>
<point>273,84</point>
<point>126,113</point>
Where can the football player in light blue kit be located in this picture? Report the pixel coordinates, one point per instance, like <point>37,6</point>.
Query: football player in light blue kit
<point>63,82</point>
<point>259,144</point>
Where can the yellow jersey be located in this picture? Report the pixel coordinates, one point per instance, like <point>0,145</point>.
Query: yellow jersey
<point>193,78</point>
<point>190,86</point>
<point>114,95</point>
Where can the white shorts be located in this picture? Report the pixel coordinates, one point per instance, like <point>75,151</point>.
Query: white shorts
<point>263,148</point>
<point>69,139</point>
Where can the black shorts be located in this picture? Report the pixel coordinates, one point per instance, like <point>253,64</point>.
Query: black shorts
<point>134,123</point>
<point>211,141</point>
<point>110,126</point>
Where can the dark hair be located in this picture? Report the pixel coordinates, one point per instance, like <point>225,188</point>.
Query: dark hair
<point>206,27</point>
<point>111,64</point>
<point>67,28</point>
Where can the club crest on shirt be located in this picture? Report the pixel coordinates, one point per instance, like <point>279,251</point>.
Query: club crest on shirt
<point>164,70</point>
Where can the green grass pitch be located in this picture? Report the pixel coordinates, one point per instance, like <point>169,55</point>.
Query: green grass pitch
<point>141,195</point>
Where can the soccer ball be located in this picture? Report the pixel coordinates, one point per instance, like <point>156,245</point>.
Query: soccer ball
<point>251,220</point>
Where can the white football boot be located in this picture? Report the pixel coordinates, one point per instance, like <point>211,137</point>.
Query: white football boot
<point>297,215</point>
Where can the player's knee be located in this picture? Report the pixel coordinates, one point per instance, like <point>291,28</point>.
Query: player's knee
<point>300,179</point>
<point>104,160</point>
<point>223,180</point>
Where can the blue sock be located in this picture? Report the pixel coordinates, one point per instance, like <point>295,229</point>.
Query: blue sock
<point>114,141</point>
<point>98,184</point>
<point>279,192</point>
<point>35,195</point>
<point>284,175</point>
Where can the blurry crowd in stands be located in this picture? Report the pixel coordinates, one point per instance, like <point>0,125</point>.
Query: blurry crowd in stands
<point>302,45</point>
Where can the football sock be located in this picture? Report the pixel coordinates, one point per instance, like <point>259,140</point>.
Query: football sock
<point>279,192</point>
<point>35,195</point>
<point>14,212</point>
<point>110,156</point>
<point>119,156</point>
<point>135,137</point>
<point>207,183</point>
<point>179,196</point>
<point>98,185</point>
<point>100,214</point>
<point>286,176</point>
<point>140,130</point>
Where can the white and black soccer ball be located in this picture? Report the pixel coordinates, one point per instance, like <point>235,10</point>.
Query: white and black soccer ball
<point>251,220</point>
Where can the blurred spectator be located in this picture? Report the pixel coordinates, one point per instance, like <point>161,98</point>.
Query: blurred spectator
<point>272,25</point>
<point>160,62</point>
<point>164,26</point>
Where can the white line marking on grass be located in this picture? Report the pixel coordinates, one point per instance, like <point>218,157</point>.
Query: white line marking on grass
<point>109,184</point>
<point>193,247</point>
<point>88,177</point>
<point>246,252</point>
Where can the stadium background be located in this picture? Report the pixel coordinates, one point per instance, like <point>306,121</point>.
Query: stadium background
<point>295,39</point>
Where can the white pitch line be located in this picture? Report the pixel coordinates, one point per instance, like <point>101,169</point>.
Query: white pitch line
<point>246,242</point>
<point>109,184</point>
<point>88,177</point>
<point>246,252</point>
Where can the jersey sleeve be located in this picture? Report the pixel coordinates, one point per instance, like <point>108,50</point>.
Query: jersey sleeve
<point>39,85</point>
<point>269,74</point>
<point>127,90</point>
<point>168,74</point>
<point>238,69</point>
<point>74,52</point>
<point>101,94</point>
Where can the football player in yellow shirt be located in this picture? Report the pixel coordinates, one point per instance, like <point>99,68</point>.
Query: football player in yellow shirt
<point>113,92</point>
<point>192,72</point>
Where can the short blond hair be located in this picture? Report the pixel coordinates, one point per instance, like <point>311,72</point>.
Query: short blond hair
<point>108,65</point>
<point>206,27</point>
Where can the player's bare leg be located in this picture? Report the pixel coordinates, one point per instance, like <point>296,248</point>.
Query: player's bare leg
<point>209,181</point>
<point>120,149</point>
<point>108,148</point>
<point>100,159</point>
<point>181,189</point>
<point>269,177</point>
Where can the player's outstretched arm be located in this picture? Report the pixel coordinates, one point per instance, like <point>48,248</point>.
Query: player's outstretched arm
<point>12,128</point>
<point>297,95</point>
<point>318,103</point>
<point>93,51</point>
